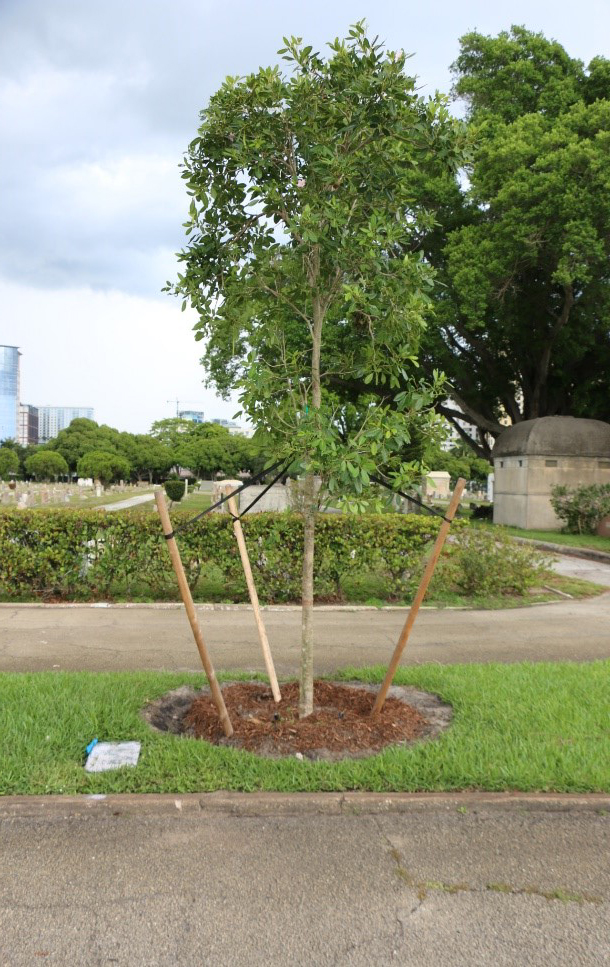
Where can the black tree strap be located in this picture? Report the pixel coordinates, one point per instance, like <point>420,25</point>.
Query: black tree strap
<point>263,492</point>
<point>247,483</point>
<point>414,500</point>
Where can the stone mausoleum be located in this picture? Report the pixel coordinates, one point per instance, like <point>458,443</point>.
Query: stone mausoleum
<point>532,457</point>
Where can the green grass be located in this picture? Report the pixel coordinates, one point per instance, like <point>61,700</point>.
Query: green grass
<point>568,540</point>
<point>523,727</point>
<point>575,587</point>
<point>91,502</point>
<point>194,504</point>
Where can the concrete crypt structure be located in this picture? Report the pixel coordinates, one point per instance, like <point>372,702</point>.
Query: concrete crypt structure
<point>532,457</point>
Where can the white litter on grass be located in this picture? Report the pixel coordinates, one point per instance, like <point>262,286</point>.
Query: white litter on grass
<point>112,755</point>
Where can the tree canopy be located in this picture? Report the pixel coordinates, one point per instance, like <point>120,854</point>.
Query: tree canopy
<point>104,466</point>
<point>9,462</point>
<point>46,465</point>
<point>304,262</point>
<point>523,245</point>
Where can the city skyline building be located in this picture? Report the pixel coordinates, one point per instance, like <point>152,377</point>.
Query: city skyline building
<point>229,425</point>
<point>195,416</point>
<point>9,392</point>
<point>52,419</point>
<point>27,431</point>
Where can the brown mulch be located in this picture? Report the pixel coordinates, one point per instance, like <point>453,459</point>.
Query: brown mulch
<point>340,726</point>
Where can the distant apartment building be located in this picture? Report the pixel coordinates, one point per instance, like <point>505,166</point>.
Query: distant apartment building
<point>9,392</point>
<point>27,431</point>
<point>52,419</point>
<point>229,425</point>
<point>195,416</point>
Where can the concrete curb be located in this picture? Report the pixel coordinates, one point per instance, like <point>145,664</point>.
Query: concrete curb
<point>274,804</point>
<point>178,606</point>
<point>565,550</point>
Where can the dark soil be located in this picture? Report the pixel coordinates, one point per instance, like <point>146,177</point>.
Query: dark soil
<point>340,726</point>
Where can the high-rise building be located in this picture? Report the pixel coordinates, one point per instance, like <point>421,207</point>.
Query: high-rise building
<point>195,416</point>
<point>27,431</point>
<point>230,425</point>
<point>52,419</point>
<point>9,391</point>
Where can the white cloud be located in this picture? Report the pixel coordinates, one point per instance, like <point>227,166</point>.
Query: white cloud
<point>98,102</point>
<point>123,355</point>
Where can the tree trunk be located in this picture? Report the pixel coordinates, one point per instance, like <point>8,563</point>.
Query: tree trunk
<point>306,673</point>
<point>309,526</point>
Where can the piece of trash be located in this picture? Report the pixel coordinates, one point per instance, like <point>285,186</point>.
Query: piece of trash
<point>112,755</point>
<point>91,746</point>
<point>298,755</point>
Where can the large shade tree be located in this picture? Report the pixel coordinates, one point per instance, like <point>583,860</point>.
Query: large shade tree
<point>523,244</point>
<point>104,466</point>
<point>304,266</point>
<point>46,465</point>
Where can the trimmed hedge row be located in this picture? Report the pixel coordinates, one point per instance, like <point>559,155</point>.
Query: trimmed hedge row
<point>93,555</point>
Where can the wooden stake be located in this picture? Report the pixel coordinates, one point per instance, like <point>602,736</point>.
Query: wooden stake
<point>185,591</point>
<point>419,597</point>
<point>262,634</point>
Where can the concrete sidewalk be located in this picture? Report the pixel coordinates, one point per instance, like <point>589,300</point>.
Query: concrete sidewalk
<point>263,880</point>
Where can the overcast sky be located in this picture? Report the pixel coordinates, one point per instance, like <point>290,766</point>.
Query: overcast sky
<point>98,102</point>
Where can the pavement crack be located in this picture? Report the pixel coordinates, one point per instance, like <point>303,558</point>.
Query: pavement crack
<point>558,893</point>
<point>423,888</point>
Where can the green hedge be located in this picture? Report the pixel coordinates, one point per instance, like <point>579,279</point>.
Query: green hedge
<point>93,555</point>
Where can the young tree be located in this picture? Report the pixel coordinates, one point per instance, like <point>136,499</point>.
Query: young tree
<point>46,465</point>
<point>303,261</point>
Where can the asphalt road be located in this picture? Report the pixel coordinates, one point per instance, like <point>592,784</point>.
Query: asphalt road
<point>440,882</point>
<point>113,638</point>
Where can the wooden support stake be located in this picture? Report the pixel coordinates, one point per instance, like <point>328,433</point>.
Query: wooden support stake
<point>419,597</point>
<point>262,634</point>
<point>185,591</point>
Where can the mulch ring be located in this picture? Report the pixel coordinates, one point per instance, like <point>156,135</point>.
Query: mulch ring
<point>341,725</point>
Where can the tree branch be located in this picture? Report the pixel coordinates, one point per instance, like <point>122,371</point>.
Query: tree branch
<point>490,426</point>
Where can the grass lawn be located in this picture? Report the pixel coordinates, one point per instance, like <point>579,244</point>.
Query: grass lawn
<point>519,726</point>
<point>569,540</point>
<point>194,504</point>
<point>574,587</point>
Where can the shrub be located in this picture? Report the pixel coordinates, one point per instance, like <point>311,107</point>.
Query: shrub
<point>581,508</point>
<point>485,561</point>
<point>88,554</point>
<point>364,585</point>
<point>212,585</point>
<point>482,511</point>
<point>174,489</point>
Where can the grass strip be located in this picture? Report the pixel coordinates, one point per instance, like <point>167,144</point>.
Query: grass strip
<point>528,727</point>
<point>587,541</point>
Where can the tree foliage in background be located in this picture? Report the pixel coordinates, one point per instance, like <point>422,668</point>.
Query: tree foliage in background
<point>303,262</point>
<point>9,462</point>
<point>206,449</point>
<point>459,461</point>
<point>46,465</point>
<point>524,248</point>
<point>104,466</point>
